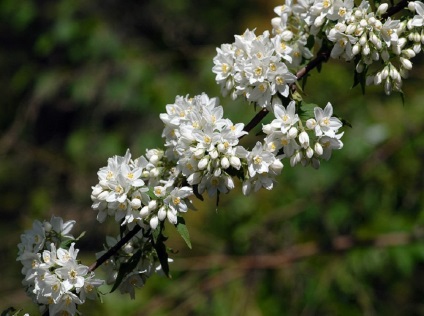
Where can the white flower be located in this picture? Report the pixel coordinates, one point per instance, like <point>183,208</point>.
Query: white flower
<point>285,117</point>
<point>65,256</point>
<point>176,199</point>
<point>89,290</point>
<point>73,274</point>
<point>66,305</point>
<point>259,160</point>
<point>326,124</point>
<point>329,144</point>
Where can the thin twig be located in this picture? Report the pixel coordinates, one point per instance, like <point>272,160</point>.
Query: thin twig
<point>115,248</point>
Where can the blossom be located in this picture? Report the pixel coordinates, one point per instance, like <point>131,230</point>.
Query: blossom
<point>326,123</point>
<point>259,160</point>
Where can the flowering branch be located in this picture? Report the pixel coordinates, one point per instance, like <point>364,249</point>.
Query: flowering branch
<point>202,152</point>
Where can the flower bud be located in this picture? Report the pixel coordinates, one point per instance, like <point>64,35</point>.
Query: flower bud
<point>235,162</point>
<point>311,123</point>
<point>319,21</point>
<point>103,195</point>
<point>377,78</point>
<point>217,172</point>
<point>366,49</point>
<point>214,154</point>
<point>47,226</point>
<point>387,86</point>
<point>382,8</point>
<point>221,147</point>
<point>292,133</point>
<point>144,211</point>
<point>295,159</point>
<point>246,187</point>
<point>406,63</point>
<point>267,129</point>
<point>276,166</point>
<point>154,159</point>
<point>350,29</point>
<point>154,222</point>
<point>375,55</point>
<point>153,204</point>
<point>203,163</point>
<point>162,213</point>
<point>359,67</point>
<point>275,22</point>
<point>304,139</point>
<point>309,152</point>
<point>385,55</point>
<point>356,49</point>
<point>225,163</point>
<point>135,204</point>
<point>363,39</point>
<point>318,149</point>
<point>286,35</point>
<point>229,84</point>
<point>411,6</point>
<point>128,248</point>
<point>385,73</point>
<point>172,218</point>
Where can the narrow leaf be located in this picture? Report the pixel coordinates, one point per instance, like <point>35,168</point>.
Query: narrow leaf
<point>182,229</point>
<point>126,268</point>
<point>160,249</point>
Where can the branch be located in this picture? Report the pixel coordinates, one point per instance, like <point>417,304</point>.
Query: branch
<point>115,248</point>
<point>298,252</point>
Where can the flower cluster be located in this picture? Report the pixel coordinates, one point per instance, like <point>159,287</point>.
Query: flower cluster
<point>203,144</point>
<point>359,34</point>
<point>53,276</point>
<point>303,144</point>
<point>140,258</point>
<point>255,66</point>
<point>141,191</point>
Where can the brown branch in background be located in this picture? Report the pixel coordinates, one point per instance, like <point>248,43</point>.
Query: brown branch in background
<point>115,248</point>
<point>296,253</point>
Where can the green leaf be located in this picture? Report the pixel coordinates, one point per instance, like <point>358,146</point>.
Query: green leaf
<point>126,268</point>
<point>306,110</point>
<point>160,249</point>
<point>182,229</point>
<point>66,243</point>
<point>11,311</point>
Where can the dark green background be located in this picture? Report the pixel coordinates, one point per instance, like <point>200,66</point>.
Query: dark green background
<point>81,81</point>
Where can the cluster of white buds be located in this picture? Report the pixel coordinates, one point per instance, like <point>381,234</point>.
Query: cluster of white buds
<point>54,278</point>
<point>139,191</point>
<point>303,143</point>
<point>203,144</point>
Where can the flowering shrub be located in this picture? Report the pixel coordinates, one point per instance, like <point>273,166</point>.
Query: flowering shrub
<point>202,151</point>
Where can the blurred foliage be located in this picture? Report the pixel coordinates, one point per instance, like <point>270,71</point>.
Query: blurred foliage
<point>84,80</point>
